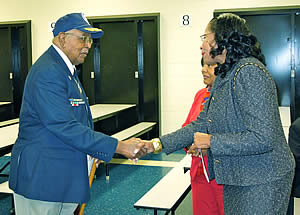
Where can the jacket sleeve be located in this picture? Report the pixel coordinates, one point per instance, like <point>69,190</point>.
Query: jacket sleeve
<point>256,104</point>
<point>50,97</point>
<point>294,143</point>
<point>184,137</point>
<point>294,140</point>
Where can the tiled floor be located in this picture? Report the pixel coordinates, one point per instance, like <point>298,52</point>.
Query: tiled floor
<point>126,185</point>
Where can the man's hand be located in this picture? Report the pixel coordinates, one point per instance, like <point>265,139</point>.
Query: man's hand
<point>132,148</point>
<point>148,146</point>
<point>97,162</point>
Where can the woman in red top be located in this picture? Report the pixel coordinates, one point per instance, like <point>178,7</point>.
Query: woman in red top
<point>207,197</point>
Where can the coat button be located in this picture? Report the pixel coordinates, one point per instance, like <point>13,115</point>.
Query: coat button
<point>213,98</point>
<point>210,121</point>
<point>218,162</point>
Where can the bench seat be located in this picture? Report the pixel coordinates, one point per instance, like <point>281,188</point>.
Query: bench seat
<point>9,122</point>
<point>170,191</point>
<point>135,130</point>
<point>4,188</point>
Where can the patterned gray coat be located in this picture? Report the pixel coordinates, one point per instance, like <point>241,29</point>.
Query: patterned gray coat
<point>248,146</point>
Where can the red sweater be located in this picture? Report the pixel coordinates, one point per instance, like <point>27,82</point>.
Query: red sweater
<point>199,100</point>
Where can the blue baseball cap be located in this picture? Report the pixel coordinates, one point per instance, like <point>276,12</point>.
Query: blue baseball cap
<point>76,21</point>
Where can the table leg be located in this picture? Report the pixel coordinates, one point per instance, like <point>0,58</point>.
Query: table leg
<point>106,172</point>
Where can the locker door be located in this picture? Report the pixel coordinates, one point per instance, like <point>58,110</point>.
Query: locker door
<point>297,65</point>
<point>150,71</point>
<point>6,84</point>
<point>116,82</point>
<point>274,34</point>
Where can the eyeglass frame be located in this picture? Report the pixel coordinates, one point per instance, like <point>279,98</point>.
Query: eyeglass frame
<point>85,39</point>
<point>203,36</point>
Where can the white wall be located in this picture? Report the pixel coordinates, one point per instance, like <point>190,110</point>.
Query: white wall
<point>180,52</point>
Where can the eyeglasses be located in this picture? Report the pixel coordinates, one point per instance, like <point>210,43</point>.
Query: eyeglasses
<point>85,39</point>
<point>203,36</point>
<point>212,65</point>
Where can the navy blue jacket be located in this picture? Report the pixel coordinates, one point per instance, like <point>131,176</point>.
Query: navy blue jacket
<point>49,158</point>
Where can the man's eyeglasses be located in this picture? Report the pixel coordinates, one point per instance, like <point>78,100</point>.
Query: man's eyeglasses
<point>85,39</point>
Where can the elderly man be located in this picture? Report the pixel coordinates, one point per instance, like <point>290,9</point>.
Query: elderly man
<point>49,173</point>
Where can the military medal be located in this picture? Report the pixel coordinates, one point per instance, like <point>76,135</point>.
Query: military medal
<point>76,102</point>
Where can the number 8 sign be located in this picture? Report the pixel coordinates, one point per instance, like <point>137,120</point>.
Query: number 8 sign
<point>185,20</point>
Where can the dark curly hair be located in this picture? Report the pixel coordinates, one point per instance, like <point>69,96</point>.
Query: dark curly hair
<point>232,33</point>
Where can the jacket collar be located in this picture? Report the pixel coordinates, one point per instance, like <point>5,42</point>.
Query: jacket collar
<point>58,59</point>
<point>65,59</point>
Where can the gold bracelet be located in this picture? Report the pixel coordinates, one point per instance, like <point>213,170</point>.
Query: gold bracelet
<point>157,145</point>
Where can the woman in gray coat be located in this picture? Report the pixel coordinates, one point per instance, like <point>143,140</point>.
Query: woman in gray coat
<point>240,127</point>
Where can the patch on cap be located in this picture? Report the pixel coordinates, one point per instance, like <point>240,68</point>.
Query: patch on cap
<point>93,29</point>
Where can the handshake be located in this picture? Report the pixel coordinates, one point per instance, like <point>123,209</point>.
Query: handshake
<point>135,148</point>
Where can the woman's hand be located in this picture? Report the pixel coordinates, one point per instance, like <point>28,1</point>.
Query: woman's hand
<point>196,152</point>
<point>201,141</point>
